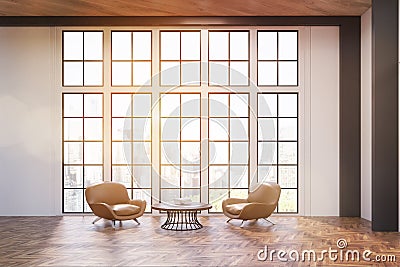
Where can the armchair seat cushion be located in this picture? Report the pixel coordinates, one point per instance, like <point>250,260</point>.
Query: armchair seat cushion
<point>125,209</point>
<point>235,209</point>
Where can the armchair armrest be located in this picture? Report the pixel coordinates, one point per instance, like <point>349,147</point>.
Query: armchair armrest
<point>102,210</point>
<point>256,211</point>
<point>139,203</point>
<point>230,201</point>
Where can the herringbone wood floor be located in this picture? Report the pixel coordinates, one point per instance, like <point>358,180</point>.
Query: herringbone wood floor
<point>74,241</point>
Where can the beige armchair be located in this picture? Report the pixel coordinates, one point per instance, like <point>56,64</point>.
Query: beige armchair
<point>260,204</point>
<point>110,200</point>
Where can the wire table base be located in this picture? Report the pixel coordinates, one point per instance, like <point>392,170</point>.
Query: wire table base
<point>182,221</point>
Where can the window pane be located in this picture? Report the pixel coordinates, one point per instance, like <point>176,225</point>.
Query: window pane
<point>190,45</point>
<point>216,196</point>
<point>190,129</point>
<point>288,153</point>
<point>93,45</point>
<point>190,176</point>
<point>218,45</point>
<point>121,129</point>
<point>239,129</point>
<point>170,128</point>
<point>191,73</point>
<point>141,153</point>
<point>168,195</point>
<point>73,73</point>
<point>218,176</point>
<point>239,105</point>
<point>93,152</point>
<point>141,73</point>
<point>121,105</point>
<point>121,73</point>
<point>73,105</point>
<point>287,45</point>
<point>121,46</point>
<point>193,194</point>
<point>267,105</point>
<point>218,129</point>
<point>218,152</point>
<point>239,177</point>
<point>239,73</point>
<point>218,105</point>
<point>142,176</point>
<point>267,153</point>
<point>73,176</point>
<point>142,105</point>
<point>170,153</point>
<point>288,129</point>
<point>93,105</point>
<point>288,176</point>
<point>170,45</point>
<point>141,45</point>
<point>239,45</point>
<point>190,152</point>
<point>73,45</point>
<point>170,176</point>
<point>141,129</point>
<point>73,200</point>
<point>73,153</point>
<point>93,73</point>
<point>239,153</point>
<point>170,73</point>
<point>121,153</point>
<point>267,73</point>
<point>122,174</point>
<point>93,175</point>
<point>94,129</point>
<point>190,105</point>
<point>267,130</point>
<point>239,193</point>
<point>288,73</point>
<point>218,73</point>
<point>73,129</point>
<point>267,174</point>
<point>267,46</point>
<point>170,105</point>
<point>287,105</point>
<point>288,200</point>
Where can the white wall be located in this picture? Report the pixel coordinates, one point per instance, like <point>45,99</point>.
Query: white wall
<point>324,121</point>
<point>366,115</point>
<point>26,159</point>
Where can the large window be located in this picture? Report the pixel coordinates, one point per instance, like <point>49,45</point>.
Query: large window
<point>278,145</point>
<point>228,150</point>
<point>82,147</point>
<point>131,143</point>
<point>181,113</point>
<point>180,147</point>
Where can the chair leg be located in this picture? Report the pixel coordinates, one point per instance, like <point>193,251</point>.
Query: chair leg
<point>269,221</point>
<point>241,225</point>
<point>113,224</point>
<point>136,221</point>
<point>229,220</point>
<point>96,220</point>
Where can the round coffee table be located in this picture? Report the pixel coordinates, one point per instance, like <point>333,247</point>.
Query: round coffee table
<point>182,217</point>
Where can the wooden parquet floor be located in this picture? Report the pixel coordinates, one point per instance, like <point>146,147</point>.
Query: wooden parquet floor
<point>75,241</point>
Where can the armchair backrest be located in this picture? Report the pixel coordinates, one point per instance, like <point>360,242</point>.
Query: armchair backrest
<point>265,193</point>
<point>109,192</point>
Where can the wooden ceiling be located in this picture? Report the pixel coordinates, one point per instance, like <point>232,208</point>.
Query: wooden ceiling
<point>183,7</point>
